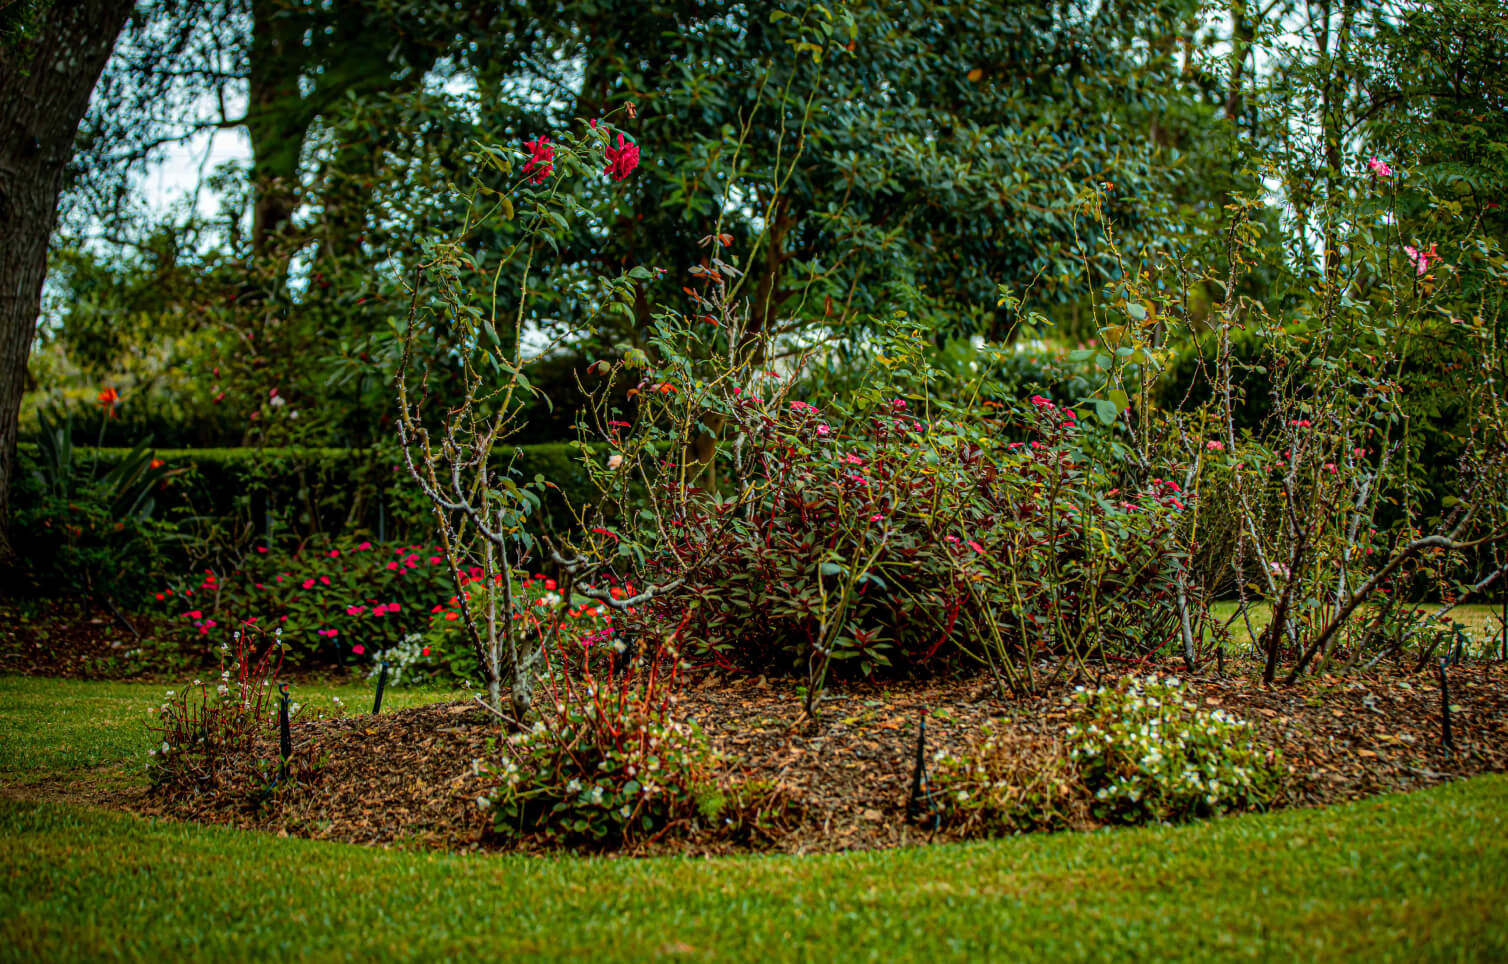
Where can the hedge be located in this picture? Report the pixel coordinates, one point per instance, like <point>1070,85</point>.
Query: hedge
<point>305,491</point>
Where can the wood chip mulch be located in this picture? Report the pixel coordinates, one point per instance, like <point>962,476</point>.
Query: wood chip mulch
<point>77,641</point>
<point>409,779</point>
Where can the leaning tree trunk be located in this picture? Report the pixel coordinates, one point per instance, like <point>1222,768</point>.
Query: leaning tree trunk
<point>51,55</point>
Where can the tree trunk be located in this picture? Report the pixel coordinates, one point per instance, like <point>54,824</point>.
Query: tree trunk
<point>47,73</point>
<point>275,120</point>
<point>1242,34</point>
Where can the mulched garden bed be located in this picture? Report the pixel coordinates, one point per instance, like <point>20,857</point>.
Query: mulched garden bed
<point>82,643</point>
<point>408,778</point>
<point>76,639</point>
<point>73,639</point>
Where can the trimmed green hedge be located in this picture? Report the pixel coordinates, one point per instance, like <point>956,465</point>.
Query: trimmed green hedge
<point>311,490</point>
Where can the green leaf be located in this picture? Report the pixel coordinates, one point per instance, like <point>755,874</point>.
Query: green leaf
<point>1105,411</point>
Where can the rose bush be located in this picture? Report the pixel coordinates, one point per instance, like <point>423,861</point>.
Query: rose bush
<point>886,539</point>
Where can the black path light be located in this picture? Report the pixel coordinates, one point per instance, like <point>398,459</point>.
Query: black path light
<point>1445,738</point>
<point>1503,618</point>
<point>920,803</point>
<point>381,684</point>
<point>285,739</point>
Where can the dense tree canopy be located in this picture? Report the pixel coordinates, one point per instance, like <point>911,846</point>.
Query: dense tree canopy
<point>903,156</point>
<point>897,157</point>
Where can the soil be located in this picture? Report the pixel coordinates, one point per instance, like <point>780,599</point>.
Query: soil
<point>85,640</point>
<point>409,778</point>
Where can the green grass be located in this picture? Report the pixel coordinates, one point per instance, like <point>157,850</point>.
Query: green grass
<point>1416,877</point>
<point>1410,878</point>
<point>1483,622</point>
<point>50,725</point>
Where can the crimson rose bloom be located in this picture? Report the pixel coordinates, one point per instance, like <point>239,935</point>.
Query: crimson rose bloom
<point>541,159</point>
<point>621,159</point>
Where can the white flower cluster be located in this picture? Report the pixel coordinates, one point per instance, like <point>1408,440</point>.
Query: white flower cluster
<point>404,662</point>
<point>1147,751</point>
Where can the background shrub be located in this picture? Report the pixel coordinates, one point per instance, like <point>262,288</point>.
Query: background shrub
<point>585,627</point>
<point>884,542</point>
<point>292,495</point>
<point>84,526</point>
<point>333,604</point>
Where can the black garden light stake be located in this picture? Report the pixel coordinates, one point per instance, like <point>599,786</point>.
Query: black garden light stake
<point>1503,618</point>
<point>921,788</point>
<point>285,739</point>
<point>1445,739</point>
<point>381,683</point>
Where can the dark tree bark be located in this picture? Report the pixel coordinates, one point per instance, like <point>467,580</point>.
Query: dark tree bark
<point>51,55</point>
<point>276,129</point>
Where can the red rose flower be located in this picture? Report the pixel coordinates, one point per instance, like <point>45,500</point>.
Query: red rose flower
<point>621,160</point>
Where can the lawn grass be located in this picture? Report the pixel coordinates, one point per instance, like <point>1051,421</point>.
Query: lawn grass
<point>1405,878</point>
<point>1483,622</point>
<point>1415,877</point>
<point>51,725</point>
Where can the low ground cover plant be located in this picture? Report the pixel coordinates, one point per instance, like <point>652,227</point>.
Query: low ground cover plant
<point>1138,750</point>
<point>1147,752</point>
<point>609,762</point>
<point>205,731</point>
<point>1005,786</point>
<point>332,603</point>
